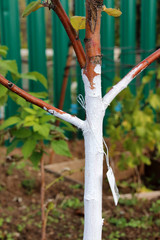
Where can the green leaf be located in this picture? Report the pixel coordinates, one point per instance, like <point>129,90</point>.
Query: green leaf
<point>148,77</point>
<point>112,11</point>
<point>78,22</point>
<point>158,73</point>
<point>36,76</point>
<point>154,101</point>
<point>36,158</point>
<point>40,78</point>
<point>36,127</point>
<point>28,147</point>
<point>140,118</point>
<point>50,206</point>
<point>21,133</point>
<point>9,65</point>
<point>22,102</point>
<point>29,124</point>
<point>43,130</point>
<point>141,131</point>
<point>13,145</point>
<point>61,147</point>
<point>46,118</point>
<point>28,76</point>
<point>33,6</point>
<point>1,222</point>
<point>30,120</point>
<point>158,150</point>
<point>30,111</point>
<point>3,51</point>
<point>3,100</point>
<point>37,136</point>
<point>3,71</point>
<point>9,122</point>
<point>3,90</point>
<point>145,160</point>
<point>39,94</point>
<point>126,125</point>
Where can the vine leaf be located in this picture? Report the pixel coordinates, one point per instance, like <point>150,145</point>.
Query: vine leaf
<point>78,22</point>
<point>32,7</point>
<point>112,11</point>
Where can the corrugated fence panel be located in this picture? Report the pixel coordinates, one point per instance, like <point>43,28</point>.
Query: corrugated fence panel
<point>37,46</point>
<point>107,44</point>
<point>128,38</point>
<point>10,36</point>
<point>148,32</point>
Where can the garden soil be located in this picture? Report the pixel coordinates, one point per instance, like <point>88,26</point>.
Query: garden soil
<point>20,216</point>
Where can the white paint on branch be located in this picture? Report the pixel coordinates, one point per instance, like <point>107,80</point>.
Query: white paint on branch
<point>45,108</point>
<point>116,89</point>
<point>67,117</point>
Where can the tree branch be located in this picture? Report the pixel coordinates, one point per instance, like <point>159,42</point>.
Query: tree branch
<point>65,77</point>
<point>92,44</point>
<point>57,7</point>
<point>116,89</point>
<point>40,103</point>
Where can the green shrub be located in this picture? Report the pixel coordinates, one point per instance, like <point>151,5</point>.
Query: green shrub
<point>31,128</point>
<point>134,125</point>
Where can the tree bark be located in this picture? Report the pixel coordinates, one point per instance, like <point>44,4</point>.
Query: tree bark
<point>93,164</point>
<point>91,76</point>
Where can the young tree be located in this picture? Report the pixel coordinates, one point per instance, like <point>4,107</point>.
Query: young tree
<point>95,105</point>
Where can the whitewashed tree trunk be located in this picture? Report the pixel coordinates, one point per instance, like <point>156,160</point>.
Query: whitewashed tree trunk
<point>93,158</point>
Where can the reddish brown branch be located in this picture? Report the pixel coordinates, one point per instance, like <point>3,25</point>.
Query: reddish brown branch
<point>92,38</point>
<point>28,97</point>
<point>65,80</point>
<point>65,77</point>
<point>115,90</point>
<point>57,7</point>
<point>40,103</point>
<point>146,62</point>
<point>93,23</point>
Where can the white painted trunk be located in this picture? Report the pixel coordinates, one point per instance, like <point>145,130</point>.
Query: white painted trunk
<point>93,158</point>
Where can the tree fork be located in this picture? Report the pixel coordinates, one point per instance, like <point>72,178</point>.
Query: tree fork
<point>40,103</point>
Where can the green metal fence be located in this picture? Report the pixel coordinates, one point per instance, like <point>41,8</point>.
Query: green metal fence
<point>127,46</point>
<point>36,45</point>
<point>10,36</point>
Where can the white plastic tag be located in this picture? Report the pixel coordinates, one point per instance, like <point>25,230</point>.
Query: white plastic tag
<point>113,186</point>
